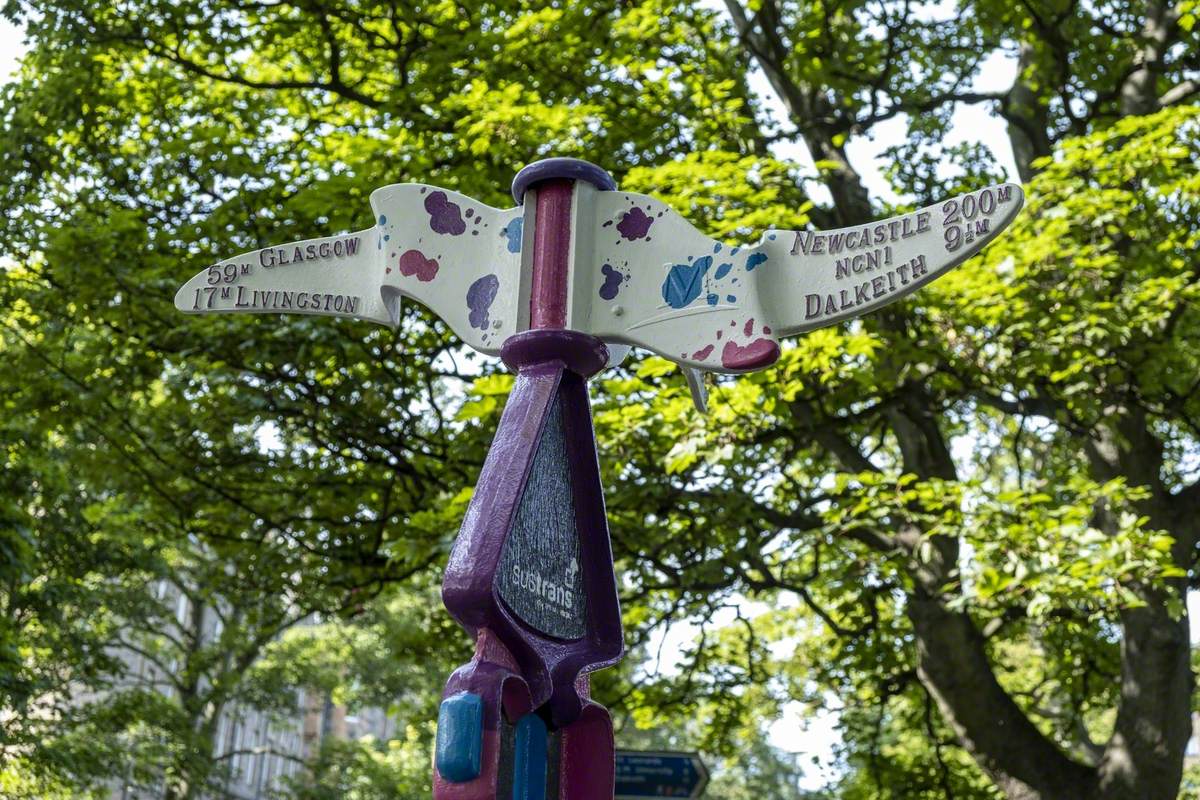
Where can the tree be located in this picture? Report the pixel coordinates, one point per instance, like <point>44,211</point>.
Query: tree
<point>147,138</point>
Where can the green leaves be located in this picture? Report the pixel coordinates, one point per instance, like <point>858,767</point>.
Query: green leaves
<point>1004,442</point>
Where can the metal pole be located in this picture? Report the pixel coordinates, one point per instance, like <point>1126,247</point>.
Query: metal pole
<point>531,573</point>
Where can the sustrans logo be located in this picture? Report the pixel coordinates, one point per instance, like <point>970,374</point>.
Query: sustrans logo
<point>555,593</point>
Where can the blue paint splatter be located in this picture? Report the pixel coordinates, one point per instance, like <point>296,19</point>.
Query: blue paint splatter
<point>722,271</point>
<point>771,237</point>
<point>382,219</point>
<point>683,282</point>
<point>734,251</point>
<point>513,231</point>
<point>754,260</point>
<point>717,248</point>
<point>712,299</point>
<point>731,298</point>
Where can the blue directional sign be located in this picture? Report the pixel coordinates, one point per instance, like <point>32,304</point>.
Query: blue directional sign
<point>643,774</point>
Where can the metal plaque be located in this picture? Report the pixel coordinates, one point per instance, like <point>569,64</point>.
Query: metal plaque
<point>540,578</point>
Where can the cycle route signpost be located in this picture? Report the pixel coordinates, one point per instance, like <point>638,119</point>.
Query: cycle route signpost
<point>560,287</point>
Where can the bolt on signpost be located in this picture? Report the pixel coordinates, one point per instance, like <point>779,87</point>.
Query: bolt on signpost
<point>559,288</point>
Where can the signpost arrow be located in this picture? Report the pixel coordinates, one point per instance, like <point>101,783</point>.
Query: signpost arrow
<point>559,287</point>
<point>651,774</point>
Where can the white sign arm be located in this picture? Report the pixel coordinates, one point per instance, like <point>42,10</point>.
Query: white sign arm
<point>332,276</point>
<point>820,278</point>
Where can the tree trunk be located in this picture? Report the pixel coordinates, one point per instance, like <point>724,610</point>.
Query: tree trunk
<point>1028,120</point>
<point>952,664</point>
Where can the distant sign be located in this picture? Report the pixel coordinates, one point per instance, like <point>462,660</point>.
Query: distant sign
<point>642,774</point>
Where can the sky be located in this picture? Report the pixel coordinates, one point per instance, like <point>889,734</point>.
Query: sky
<point>11,48</point>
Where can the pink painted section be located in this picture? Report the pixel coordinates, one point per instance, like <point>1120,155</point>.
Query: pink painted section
<point>551,253</point>
<point>756,355</point>
<point>482,788</point>
<point>488,647</point>
<point>587,770</point>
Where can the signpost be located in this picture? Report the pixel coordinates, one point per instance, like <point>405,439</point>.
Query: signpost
<point>560,287</point>
<point>643,774</point>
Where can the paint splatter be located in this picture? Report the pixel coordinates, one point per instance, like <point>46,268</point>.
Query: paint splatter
<point>444,216</point>
<point>513,231</point>
<point>723,270</point>
<point>712,299</point>
<point>612,282</point>
<point>754,260</point>
<point>749,329</point>
<point>732,298</point>
<point>414,262</point>
<point>383,219</point>
<point>759,353</point>
<point>635,224</point>
<point>717,247</point>
<point>683,282</point>
<point>703,353</point>
<point>480,296</point>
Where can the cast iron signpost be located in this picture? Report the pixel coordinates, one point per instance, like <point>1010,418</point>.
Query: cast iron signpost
<point>560,287</point>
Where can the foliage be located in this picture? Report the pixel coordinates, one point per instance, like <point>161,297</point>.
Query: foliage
<point>973,512</point>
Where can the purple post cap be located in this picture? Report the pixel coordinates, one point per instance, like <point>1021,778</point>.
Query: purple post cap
<point>550,168</point>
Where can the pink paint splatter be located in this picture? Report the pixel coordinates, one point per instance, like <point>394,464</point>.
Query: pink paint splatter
<point>703,353</point>
<point>719,332</point>
<point>766,328</point>
<point>749,329</point>
<point>759,353</point>
<point>414,262</point>
<point>635,224</point>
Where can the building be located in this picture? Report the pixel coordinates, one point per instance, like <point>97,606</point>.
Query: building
<point>262,752</point>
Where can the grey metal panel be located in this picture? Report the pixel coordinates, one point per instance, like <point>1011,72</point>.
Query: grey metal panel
<point>540,578</point>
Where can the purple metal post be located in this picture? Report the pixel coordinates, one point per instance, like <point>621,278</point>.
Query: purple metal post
<point>526,661</point>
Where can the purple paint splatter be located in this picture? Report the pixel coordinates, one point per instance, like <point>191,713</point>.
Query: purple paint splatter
<point>480,296</point>
<point>635,224</point>
<point>612,282</point>
<point>444,216</point>
<point>703,353</point>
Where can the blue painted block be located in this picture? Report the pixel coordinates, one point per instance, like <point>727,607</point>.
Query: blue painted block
<point>529,759</point>
<point>459,751</point>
